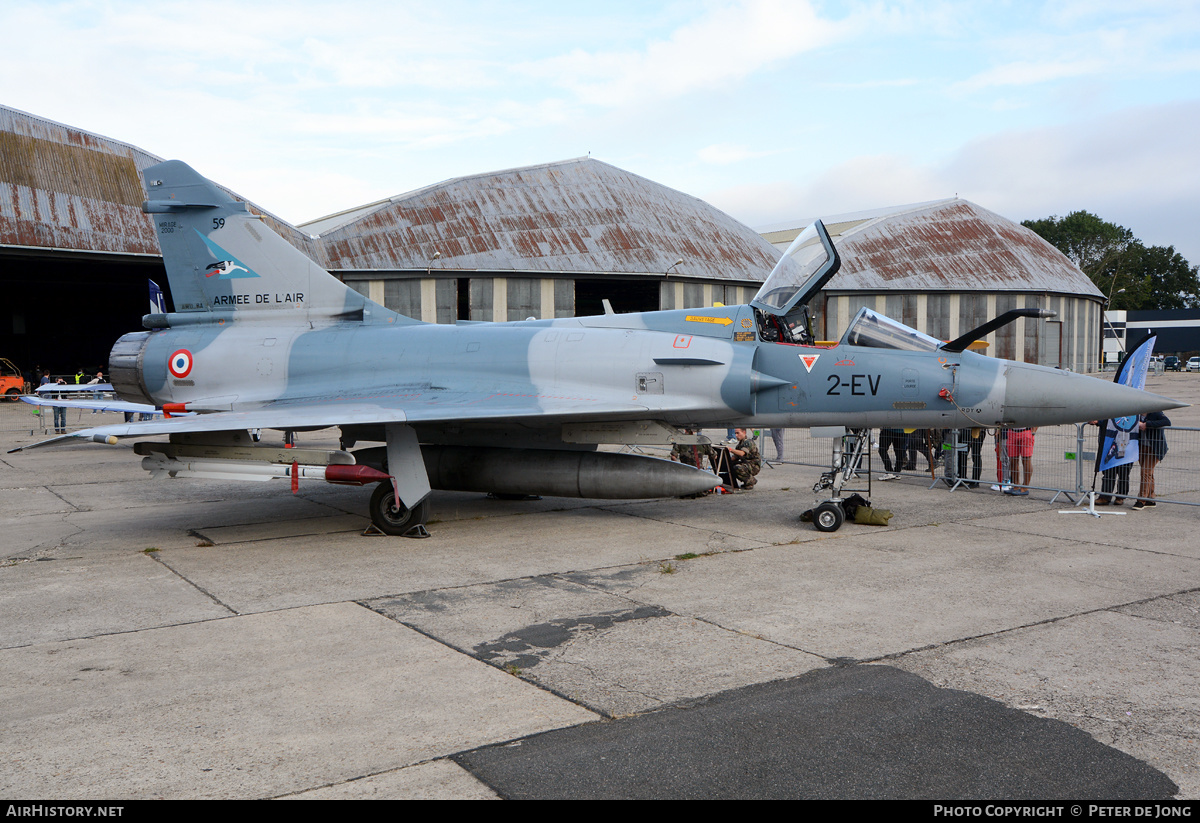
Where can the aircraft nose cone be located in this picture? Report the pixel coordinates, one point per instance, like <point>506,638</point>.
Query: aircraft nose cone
<point>1038,396</point>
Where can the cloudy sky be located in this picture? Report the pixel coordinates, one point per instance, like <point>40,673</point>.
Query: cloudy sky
<point>771,111</point>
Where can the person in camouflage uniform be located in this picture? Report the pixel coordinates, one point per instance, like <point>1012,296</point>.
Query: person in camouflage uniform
<point>691,455</point>
<point>746,460</point>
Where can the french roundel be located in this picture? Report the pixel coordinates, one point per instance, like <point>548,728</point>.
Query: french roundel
<point>180,364</point>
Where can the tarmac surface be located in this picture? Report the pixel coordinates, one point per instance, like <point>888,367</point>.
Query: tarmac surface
<point>232,640</point>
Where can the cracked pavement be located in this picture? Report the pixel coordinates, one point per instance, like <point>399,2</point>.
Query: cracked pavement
<point>189,639</point>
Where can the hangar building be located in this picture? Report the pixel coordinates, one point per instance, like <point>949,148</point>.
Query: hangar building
<point>548,240</point>
<point>1178,331</point>
<point>551,240</point>
<point>948,266</point>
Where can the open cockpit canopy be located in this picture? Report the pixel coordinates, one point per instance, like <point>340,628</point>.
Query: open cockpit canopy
<point>804,269</point>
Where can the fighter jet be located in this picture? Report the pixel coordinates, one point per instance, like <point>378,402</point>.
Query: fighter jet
<point>274,342</point>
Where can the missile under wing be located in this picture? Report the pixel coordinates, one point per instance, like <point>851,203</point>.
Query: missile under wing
<point>263,338</point>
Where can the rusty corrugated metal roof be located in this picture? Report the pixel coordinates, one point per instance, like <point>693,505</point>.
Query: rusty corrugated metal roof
<point>64,188</point>
<point>67,189</point>
<point>944,245</point>
<point>579,215</point>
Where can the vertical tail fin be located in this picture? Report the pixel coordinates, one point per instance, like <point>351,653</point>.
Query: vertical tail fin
<point>221,258</point>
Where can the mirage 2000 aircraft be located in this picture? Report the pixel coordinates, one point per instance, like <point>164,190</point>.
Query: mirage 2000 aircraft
<point>263,338</point>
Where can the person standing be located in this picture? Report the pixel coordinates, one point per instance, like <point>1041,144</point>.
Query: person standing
<point>1152,448</point>
<point>910,451</point>
<point>777,439</point>
<point>1020,457</point>
<point>892,442</point>
<point>971,441</point>
<point>60,413</point>
<point>1114,485</point>
<point>1002,481</point>
<point>97,395</point>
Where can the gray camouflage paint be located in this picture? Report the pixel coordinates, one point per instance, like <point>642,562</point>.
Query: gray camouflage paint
<point>277,342</point>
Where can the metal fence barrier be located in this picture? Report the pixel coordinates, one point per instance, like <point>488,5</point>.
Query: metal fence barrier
<point>40,419</point>
<point>1063,460</point>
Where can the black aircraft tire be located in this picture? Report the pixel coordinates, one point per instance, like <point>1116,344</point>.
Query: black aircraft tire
<point>829,517</point>
<point>390,520</point>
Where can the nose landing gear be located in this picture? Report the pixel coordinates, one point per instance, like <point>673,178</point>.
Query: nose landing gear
<point>829,516</point>
<point>848,452</point>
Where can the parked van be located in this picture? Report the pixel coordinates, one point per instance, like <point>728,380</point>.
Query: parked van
<point>12,382</point>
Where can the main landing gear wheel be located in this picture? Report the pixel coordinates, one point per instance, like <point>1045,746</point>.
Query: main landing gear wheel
<point>829,517</point>
<point>397,521</point>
